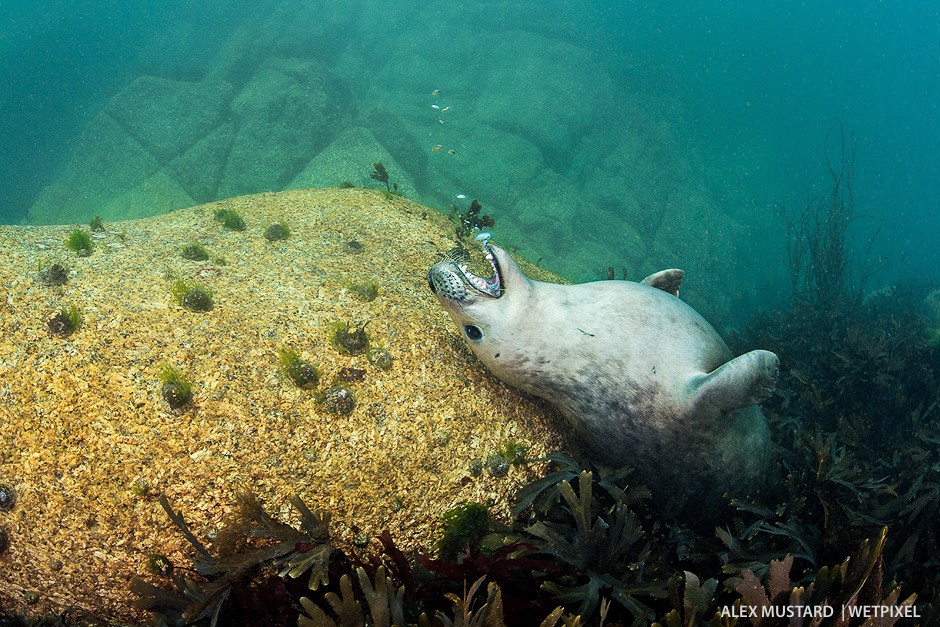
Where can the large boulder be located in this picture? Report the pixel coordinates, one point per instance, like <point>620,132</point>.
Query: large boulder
<point>349,159</point>
<point>546,90</point>
<point>288,112</point>
<point>90,442</point>
<point>107,162</point>
<point>167,117</point>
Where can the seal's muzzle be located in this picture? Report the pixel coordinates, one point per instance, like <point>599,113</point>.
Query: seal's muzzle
<point>450,280</point>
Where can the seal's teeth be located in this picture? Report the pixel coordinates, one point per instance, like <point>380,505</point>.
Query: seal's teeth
<point>464,268</point>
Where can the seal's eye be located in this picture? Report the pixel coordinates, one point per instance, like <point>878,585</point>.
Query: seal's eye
<point>474,334</point>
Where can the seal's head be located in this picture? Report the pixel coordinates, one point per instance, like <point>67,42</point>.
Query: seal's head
<point>474,302</point>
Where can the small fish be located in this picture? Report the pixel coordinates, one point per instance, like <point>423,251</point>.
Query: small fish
<point>445,109</point>
<point>435,106</point>
<point>436,92</point>
<point>461,196</point>
<point>437,148</point>
<point>483,237</point>
<point>452,152</point>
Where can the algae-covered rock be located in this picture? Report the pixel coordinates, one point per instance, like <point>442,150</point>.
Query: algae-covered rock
<point>290,109</point>
<point>157,194</point>
<point>100,421</point>
<point>349,158</point>
<point>567,91</point>
<point>165,116</point>
<point>106,163</point>
<point>199,170</point>
<point>403,141</point>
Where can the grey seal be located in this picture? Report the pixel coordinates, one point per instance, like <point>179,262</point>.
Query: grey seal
<point>640,375</point>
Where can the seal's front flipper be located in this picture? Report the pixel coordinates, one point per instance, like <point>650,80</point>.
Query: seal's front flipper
<point>742,382</point>
<point>665,280</point>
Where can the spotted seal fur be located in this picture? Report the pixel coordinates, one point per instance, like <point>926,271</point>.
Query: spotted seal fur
<point>639,374</point>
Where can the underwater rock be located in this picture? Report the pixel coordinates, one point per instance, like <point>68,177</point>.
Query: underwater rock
<point>106,163</point>
<point>194,252</point>
<point>558,79</point>
<point>276,232</point>
<point>289,110</point>
<point>380,358</point>
<point>65,321</point>
<point>144,107</point>
<point>513,168</point>
<point>199,170</point>
<point>348,158</point>
<point>350,339</point>
<point>98,408</point>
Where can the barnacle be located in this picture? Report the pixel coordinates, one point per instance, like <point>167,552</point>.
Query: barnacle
<point>65,321</point>
<point>276,231</point>
<point>380,358</point>
<point>303,374</point>
<point>7,497</point>
<point>350,339</point>
<point>338,400</point>
<point>195,252</point>
<point>366,292</point>
<point>54,274</point>
<point>177,390</point>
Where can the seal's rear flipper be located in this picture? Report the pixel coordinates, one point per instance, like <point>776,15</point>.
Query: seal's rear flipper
<point>665,280</point>
<point>742,382</point>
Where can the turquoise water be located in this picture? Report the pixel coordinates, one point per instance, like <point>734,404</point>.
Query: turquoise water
<point>635,135</point>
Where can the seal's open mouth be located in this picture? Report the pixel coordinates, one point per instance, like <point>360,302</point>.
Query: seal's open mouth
<point>492,286</point>
<point>450,279</point>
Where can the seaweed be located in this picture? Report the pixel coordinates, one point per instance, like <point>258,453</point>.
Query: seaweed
<point>857,581</point>
<point>226,579</point>
<point>79,242</point>
<point>176,389</point>
<point>380,174</point>
<point>383,600</point>
<point>277,231</point>
<point>194,251</point>
<point>65,321</point>
<point>598,546</point>
<point>302,373</point>
<point>230,219</point>
<point>192,296</point>
<point>471,219</point>
<point>463,525</point>
<point>96,224</point>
